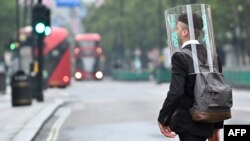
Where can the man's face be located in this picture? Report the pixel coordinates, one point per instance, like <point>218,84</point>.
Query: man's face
<point>182,32</point>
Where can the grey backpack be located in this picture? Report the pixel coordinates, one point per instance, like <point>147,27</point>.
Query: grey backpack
<point>212,96</point>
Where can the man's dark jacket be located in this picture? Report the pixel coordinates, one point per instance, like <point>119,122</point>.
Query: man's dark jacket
<point>175,110</point>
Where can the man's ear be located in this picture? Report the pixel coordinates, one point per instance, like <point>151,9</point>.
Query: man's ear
<point>185,32</point>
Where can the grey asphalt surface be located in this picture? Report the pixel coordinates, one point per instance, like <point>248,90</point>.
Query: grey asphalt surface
<point>23,123</point>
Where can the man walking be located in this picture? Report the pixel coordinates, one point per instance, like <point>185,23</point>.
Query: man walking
<point>174,117</point>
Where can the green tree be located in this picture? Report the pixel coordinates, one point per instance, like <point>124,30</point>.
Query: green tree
<point>8,22</point>
<point>232,26</point>
<point>128,24</point>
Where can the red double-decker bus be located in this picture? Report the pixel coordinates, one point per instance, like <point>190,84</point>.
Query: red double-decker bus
<point>56,54</point>
<point>57,60</point>
<point>89,60</point>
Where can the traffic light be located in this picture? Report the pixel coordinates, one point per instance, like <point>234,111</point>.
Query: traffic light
<point>13,45</point>
<point>41,20</point>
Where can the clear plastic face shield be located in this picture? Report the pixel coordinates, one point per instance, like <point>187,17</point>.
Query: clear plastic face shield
<point>192,22</point>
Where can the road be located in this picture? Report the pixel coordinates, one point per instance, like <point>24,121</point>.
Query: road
<point>118,111</point>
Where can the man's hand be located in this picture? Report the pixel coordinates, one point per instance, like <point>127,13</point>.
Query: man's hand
<point>166,131</point>
<point>216,136</point>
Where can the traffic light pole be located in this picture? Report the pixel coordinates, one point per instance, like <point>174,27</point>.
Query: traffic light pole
<point>40,69</point>
<point>41,28</point>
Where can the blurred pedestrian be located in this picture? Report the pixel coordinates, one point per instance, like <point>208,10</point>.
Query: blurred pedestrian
<point>175,117</point>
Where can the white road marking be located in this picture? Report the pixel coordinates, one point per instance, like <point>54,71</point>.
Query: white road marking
<point>53,135</point>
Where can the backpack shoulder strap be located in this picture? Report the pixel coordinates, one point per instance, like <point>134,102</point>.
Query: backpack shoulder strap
<point>189,53</point>
<point>186,62</point>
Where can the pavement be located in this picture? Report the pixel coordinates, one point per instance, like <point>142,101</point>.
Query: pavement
<point>22,123</point>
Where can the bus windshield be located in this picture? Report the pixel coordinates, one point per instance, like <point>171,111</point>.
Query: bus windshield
<point>87,44</point>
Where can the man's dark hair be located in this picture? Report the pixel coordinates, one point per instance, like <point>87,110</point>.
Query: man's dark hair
<point>197,22</point>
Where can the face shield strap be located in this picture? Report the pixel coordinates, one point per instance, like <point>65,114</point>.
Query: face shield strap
<point>173,40</point>
<point>192,37</point>
<point>207,41</point>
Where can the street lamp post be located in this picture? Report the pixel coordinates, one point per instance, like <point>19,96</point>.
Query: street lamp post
<point>192,1</point>
<point>161,16</point>
<point>120,41</point>
<point>17,33</point>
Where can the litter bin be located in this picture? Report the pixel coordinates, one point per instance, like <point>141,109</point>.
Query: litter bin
<point>20,89</point>
<point>2,82</point>
<point>2,77</point>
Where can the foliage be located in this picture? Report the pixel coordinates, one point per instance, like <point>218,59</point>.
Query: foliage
<point>228,17</point>
<point>8,22</point>
<point>129,24</point>
<point>126,25</point>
